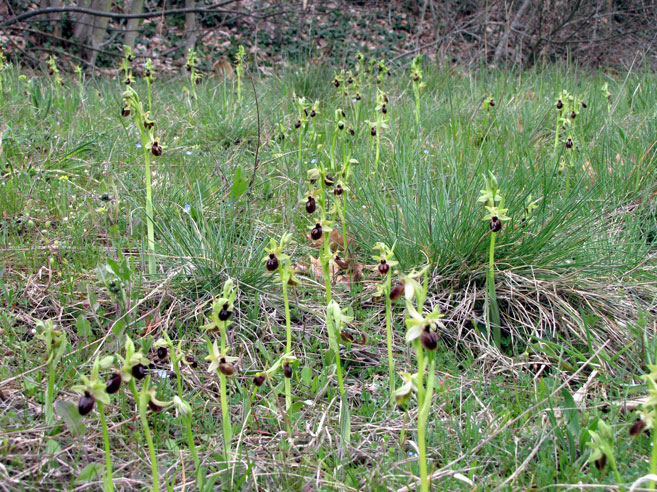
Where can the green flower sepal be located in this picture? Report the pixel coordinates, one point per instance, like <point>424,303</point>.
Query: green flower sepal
<point>403,394</point>
<point>93,385</point>
<point>131,359</point>
<point>217,357</point>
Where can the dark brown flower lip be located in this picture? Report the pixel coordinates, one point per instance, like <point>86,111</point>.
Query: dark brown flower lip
<point>311,205</point>
<point>161,352</point>
<point>396,291</point>
<point>495,224</point>
<point>86,403</point>
<point>429,339</point>
<point>114,383</point>
<point>272,263</point>
<point>316,232</point>
<point>154,406</point>
<point>287,370</point>
<point>139,371</point>
<point>259,380</point>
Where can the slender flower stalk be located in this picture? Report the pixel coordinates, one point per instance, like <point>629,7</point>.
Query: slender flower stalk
<point>150,145</point>
<point>177,357</point>
<point>494,204</point>
<point>143,400</point>
<point>420,333</point>
<point>239,70</point>
<point>279,262</point>
<point>94,391</point>
<point>220,361</point>
<point>56,344</point>
<point>418,85</point>
<point>149,78</point>
<point>109,485</point>
<point>386,262</point>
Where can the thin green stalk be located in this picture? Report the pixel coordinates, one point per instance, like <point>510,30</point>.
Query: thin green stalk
<point>50,389</point>
<point>493,314</point>
<point>187,419</point>
<point>416,92</point>
<point>378,149</point>
<point>421,427</point>
<point>109,485</point>
<point>149,204</point>
<point>141,406</point>
<point>288,345</point>
<point>338,368</point>
<point>556,135</point>
<point>225,417</point>
<point>391,362</point>
<point>653,459</point>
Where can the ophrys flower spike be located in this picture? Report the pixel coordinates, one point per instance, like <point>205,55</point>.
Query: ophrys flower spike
<point>418,84</point>
<point>385,263</point>
<point>222,311</point>
<point>379,124</point>
<point>149,77</point>
<point>493,201</point>
<point>56,344</point>
<point>147,400</point>
<point>335,319</point>
<point>278,262</point>
<point>150,145</point>
<point>126,65</point>
<point>94,392</point>
<point>421,335</point>
<point>177,357</point>
<point>240,56</point>
<point>602,450</point>
<point>223,365</point>
<point>53,71</point>
<point>194,76</point>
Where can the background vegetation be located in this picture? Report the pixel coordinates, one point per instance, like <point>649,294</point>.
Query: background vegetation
<point>575,276</point>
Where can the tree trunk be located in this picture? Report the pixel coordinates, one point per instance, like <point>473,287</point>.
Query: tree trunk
<point>99,27</point>
<point>190,26</point>
<point>136,6</point>
<point>81,30</point>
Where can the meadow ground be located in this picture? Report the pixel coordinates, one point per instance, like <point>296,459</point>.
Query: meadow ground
<point>532,355</point>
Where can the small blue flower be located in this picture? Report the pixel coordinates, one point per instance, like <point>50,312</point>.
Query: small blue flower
<point>426,151</point>
<point>187,208</point>
<point>189,152</point>
<point>313,161</point>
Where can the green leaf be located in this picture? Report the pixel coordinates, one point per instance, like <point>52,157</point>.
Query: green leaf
<point>90,473</point>
<point>71,417</point>
<point>53,447</point>
<point>345,422</point>
<point>240,185</point>
<point>307,376</point>
<point>83,327</point>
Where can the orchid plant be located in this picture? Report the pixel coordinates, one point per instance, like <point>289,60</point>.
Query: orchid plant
<point>421,335</point>
<point>95,391</point>
<point>150,145</point>
<point>56,344</point>
<point>220,361</point>
<point>385,263</point>
<point>418,84</point>
<point>493,201</point>
<point>277,261</point>
<point>240,56</point>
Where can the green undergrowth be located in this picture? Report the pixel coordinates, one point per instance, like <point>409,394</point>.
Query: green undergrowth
<point>574,276</point>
